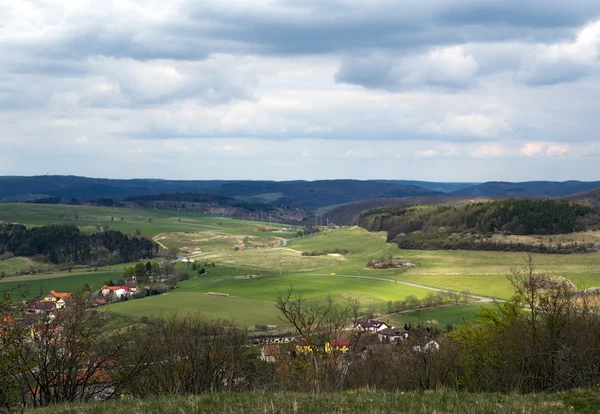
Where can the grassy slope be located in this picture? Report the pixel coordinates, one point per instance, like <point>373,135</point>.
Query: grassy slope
<point>442,316</point>
<point>243,310</point>
<point>251,300</point>
<point>36,285</point>
<point>162,221</point>
<point>347,402</point>
<point>15,265</point>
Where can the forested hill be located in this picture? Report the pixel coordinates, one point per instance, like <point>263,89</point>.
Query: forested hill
<point>348,214</point>
<point>472,225</point>
<point>179,200</point>
<point>66,244</point>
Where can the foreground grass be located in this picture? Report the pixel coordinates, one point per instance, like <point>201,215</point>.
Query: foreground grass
<point>587,401</point>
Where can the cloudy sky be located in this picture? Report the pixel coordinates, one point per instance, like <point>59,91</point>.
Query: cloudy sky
<point>440,90</point>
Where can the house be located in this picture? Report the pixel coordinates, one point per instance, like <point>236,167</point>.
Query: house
<point>54,296</point>
<point>5,323</point>
<point>116,291</point>
<point>40,306</point>
<point>303,347</point>
<point>392,335</point>
<point>371,325</point>
<point>342,346</point>
<point>99,301</point>
<point>269,353</point>
<point>430,346</point>
<point>132,286</point>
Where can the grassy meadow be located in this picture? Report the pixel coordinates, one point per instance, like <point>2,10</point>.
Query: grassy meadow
<point>238,248</point>
<point>364,401</point>
<point>454,315</point>
<point>40,284</point>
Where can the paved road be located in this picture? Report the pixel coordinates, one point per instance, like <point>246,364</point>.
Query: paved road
<point>480,298</point>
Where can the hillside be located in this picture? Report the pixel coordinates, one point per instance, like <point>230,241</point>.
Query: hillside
<point>588,197</point>
<point>347,214</point>
<point>477,226</point>
<point>538,188</point>
<point>315,194</point>
<point>220,205</point>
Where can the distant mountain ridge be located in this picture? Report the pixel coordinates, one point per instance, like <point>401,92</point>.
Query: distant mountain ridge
<point>537,188</point>
<point>310,195</point>
<point>307,194</point>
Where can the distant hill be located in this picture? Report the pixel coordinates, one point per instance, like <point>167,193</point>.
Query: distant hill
<point>307,194</point>
<point>315,194</point>
<point>436,186</point>
<point>588,197</point>
<point>539,188</point>
<point>218,204</point>
<point>84,188</point>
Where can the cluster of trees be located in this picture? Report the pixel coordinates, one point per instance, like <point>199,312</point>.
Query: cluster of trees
<point>431,299</point>
<point>325,252</point>
<point>443,227</point>
<point>44,200</point>
<point>66,244</point>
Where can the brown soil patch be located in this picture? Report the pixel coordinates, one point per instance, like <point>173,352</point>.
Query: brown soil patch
<point>247,276</point>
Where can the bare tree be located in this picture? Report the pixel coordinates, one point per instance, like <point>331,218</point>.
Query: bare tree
<point>317,322</point>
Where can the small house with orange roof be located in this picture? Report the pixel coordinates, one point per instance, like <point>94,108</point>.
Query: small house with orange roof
<point>60,299</point>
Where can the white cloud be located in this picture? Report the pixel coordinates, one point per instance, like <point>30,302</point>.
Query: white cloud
<point>447,67</point>
<point>426,153</point>
<point>565,62</point>
<point>215,80</point>
<point>550,149</point>
<point>471,125</point>
<point>489,151</point>
<point>82,140</point>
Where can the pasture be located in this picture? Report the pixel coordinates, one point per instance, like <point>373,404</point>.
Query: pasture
<point>149,223</point>
<point>439,317</point>
<point>41,284</point>
<point>243,311</point>
<point>239,248</point>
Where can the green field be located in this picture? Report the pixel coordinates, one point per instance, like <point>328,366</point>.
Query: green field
<point>15,265</point>
<point>251,300</point>
<point>212,239</point>
<point>243,311</point>
<point>163,221</point>
<point>441,317</point>
<point>40,285</point>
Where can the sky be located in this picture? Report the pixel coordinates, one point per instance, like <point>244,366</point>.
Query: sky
<point>438,90</point>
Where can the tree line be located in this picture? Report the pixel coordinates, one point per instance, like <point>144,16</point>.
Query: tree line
<point>66,244</point>
<point>180,200</point>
